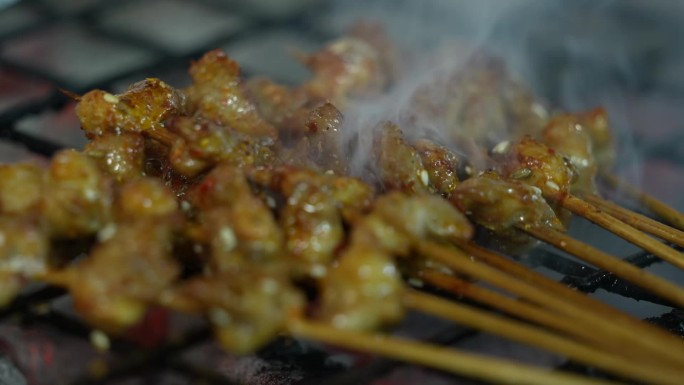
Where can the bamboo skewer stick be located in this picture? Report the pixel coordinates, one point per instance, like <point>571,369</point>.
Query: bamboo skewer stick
<point>522,272</point>
<point>588,303</point>
<point>517,331</point>
<point>461,263</point>
<point>623,230</point>
<point>668,213</point>
<point>617,266</point>
<point>638,221</point>
<point>526,311</point>
<point>471,365</point>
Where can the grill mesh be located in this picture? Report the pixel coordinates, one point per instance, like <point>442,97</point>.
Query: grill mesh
<point>78,45</point>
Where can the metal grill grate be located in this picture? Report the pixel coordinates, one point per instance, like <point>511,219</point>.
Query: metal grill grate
<point>78,45</point>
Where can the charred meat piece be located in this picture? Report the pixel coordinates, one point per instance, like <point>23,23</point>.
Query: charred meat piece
<point>536,164</point>
<point>121,156</point>
<point>79,202</point>
<point>598,127</point>
<point>324,131</point>
<point>132,263</point>
<point>145,106</point>
<point>344,68</point>
<point>24,247</point>
<point>500,206</point>
<point>196,144</point>
<point>441,165</point>
<point>362,291</point>
<point>246,307</point>
<point>22,187</point>
<point>217,95</point>
<point>566,135</point>
<point>312,224</point>
<point>314,206</point>
<point>399,167</point>
<point>238,226</point>
<point>477,100</point>
<point>284,107</point>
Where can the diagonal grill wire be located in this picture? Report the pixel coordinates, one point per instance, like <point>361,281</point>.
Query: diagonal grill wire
<point>578,275</point>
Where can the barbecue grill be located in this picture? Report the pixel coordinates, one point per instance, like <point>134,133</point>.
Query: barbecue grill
<point>49,46</point>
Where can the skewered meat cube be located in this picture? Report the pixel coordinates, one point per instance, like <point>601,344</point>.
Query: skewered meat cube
<point>362,291</point>
<point>239,226</point>
<point>284,107</point>
<point>121,156</point>
<point>350,195</point>
<point>566,135</point>
<point>477,101</point>
<point>312,224</point>
<point>375,35</point>
<point>324,125</point>
<point>79,201</point>
<point>23,253</point>
<point>217,95</point>
<point>441,165</point>
<point>346,67</point>
<point>398,164</point>
<point>501,205</point>
<point>145,106</point>
<point>536,164</point>
<point>414,217</point>
<point>21,188</point>
<point>132,264</point>
<point>247,307</point>
<point>196,144</point>
<point>598,128</point>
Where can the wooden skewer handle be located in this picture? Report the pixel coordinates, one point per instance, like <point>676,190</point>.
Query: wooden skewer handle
<point>630,338</point>
<point>668,213</point>
<point>638,221</point>
<point>494,370</point>
<point>623,230</point>
<point>527,311</point>
<point>617,266</point>
<point>614,363</point>
<point>649,332</point>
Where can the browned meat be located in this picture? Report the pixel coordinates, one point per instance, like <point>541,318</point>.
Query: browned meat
<point>375,35</point>
<point>21,188</point>
<point>247,307</point>
<point>324,131</point>
<point>441,165</point>
<point>131,265</point>
<point>313,226</point>
<point>534,163</point>
<point>121,156</point>
<point>598,128</point>
<point>285,108</point>
<point>352,196</point>
<point>143,107</point>
<point>566,135</point>
<point>500,206</point>
<point>79,201</point>
<point>239,227</point>
<point>23,254</point>
<point>399,166</point>
<point>197,144</point>
<point>362,291</point>
<point>479,101</point>
<point>144,197</point>
<point>346,67</point>
<point>217,95</point>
